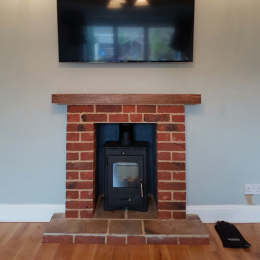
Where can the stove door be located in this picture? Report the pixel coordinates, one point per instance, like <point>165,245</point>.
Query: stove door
<point>125,185</point>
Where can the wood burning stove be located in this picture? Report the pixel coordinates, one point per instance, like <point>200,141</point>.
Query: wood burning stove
<point>125,172</point>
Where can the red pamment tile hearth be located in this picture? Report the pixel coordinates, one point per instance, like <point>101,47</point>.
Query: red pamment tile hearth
<point>85,110</point>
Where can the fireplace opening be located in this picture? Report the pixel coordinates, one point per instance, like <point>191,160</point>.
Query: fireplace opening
<point>126,165</point>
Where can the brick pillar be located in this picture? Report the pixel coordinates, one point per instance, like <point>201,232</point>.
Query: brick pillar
<point>171,164</point>
<point>80,166</point>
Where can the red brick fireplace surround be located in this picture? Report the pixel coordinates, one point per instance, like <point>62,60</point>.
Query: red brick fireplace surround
<point>85,110</point>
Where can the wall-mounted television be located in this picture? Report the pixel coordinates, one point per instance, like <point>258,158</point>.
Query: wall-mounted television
<point>125,30</point>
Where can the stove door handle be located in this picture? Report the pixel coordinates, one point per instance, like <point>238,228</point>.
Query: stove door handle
<point>142,191</point>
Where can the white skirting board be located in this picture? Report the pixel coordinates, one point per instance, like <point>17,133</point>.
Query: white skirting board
<point>229,213</point>
<point>207,213</point>
<point>29,212</point>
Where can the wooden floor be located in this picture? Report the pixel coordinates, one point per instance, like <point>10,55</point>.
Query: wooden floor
<point>23,241</point>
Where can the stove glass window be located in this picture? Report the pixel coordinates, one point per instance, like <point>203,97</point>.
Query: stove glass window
<point>125,174</point>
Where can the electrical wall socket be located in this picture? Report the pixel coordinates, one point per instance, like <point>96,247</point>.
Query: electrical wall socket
<point>252,189</point>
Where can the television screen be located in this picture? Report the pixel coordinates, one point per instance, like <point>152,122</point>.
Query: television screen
<point>125,30</point>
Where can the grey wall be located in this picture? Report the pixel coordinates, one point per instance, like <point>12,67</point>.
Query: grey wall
<point>222,134</point>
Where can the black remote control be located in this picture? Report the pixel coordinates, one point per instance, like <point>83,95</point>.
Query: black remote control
<point>230,236</point>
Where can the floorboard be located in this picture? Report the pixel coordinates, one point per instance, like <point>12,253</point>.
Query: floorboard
<point>22,241</point>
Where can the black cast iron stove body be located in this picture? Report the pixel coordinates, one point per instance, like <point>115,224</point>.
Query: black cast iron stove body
<point>125,172</point>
